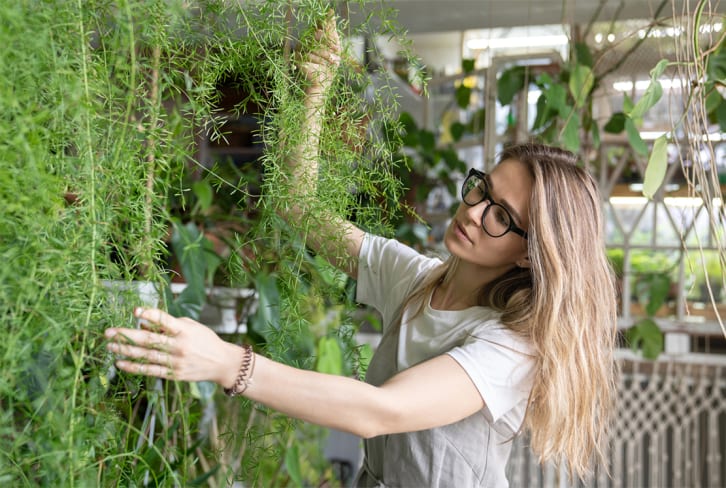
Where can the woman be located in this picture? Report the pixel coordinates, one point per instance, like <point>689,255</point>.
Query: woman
<point>514,331</point>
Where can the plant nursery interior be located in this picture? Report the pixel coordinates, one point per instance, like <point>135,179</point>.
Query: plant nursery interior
<point>142,163</point>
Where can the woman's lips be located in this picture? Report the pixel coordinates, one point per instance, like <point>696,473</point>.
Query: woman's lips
<point>461,233</point>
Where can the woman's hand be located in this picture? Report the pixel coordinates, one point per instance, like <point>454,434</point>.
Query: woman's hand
<point>173,348</point>
<point>319,66</point>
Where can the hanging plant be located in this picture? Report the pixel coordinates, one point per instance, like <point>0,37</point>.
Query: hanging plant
<point>102,105</point>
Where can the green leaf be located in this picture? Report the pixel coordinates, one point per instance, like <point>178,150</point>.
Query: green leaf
<point>627,104</point>
<point>616,124</point>
<point>410,139</point>
<point>457,130</point>
<point>543,112</point>
<point>659,285</point>
<point>410,136</point>
<point>713,98</point>
<point>636,142</point>
<point>330,358</point>
<point>716,65</point>
<point>651,96</point>
<point>452,160</point>
<point>580,84</point>
<point>571,133</point>
<point>407,122</point>
<point>331,276</point>
<point>557,100</point>
<point>478,119</point>
<point>266,318</point>
<point>658,69</point>
<point>467,65</point>
<point>463,96</point>
<point>583,54</point>
<point>721,116</point>
<point>292,463</point>
<point>549,133</point>
<point>365,353</point>
<point>203,191</point>
<point>191,250</point>
<point>427,140</point>
<point>186,242</point>
<point>510,83</point>
<point>656,169</point>
<point>647,336</point>
<point>212,260</point>
<point>543,81</point>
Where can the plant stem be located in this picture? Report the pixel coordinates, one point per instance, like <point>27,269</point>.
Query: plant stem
<point>250,422</point>
<point>151,154</point>
<point>696,42</point>
<point>593,18</point>
<point>80,358</point>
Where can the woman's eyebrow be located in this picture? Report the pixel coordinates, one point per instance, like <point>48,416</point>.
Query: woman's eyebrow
<point>505,203</point>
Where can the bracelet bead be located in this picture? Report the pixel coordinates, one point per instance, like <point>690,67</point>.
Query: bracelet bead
<point>245,373</point>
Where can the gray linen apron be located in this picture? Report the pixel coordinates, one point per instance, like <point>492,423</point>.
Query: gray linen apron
<point>468,453</point>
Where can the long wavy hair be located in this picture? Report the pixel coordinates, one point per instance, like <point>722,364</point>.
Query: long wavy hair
<point>565,304</point>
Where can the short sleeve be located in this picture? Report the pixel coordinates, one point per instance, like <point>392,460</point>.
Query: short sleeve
<point>387,272</point>
<point>500,366</point>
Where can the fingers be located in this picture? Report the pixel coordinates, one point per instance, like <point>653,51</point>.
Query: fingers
<point>148,351</point>
<point>319,65</point>
<point>329,39</point>
<point>329,31</point>
<point>324,58</point>
<point>151,362</point>
<point>149,355</point>
<point>168,323</point>
<point>142,338</point>
<point>156,370</point>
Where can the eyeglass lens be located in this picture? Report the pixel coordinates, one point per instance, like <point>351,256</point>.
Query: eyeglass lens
<point>496,220</point>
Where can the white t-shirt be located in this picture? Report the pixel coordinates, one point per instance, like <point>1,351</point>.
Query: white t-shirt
<point>498,361</point>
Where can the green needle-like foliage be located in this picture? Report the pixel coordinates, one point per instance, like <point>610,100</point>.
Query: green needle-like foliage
<point>101,105</point>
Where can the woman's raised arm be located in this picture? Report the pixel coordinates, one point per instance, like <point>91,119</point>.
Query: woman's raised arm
<point>332,234</point>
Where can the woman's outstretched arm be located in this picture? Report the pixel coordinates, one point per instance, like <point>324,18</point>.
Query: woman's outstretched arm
<point>434,393</point>
<point>330,234</point>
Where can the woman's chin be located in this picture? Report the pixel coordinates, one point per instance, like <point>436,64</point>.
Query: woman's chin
<point>452,243</point>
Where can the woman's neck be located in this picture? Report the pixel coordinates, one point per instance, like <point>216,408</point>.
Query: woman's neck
<point>461,289</point>
<point>455,293</point>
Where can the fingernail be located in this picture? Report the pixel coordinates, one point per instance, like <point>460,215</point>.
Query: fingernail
<point>137,311</point>
<point>110,333</point>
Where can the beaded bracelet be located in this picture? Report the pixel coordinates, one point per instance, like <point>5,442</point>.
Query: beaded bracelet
<point>245,373</point>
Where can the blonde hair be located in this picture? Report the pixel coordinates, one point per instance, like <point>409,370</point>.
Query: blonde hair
<point>565,304</point>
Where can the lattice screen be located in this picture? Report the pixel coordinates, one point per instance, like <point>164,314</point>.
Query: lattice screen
<point>670,429</point>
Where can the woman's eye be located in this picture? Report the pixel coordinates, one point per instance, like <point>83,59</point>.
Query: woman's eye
<point>501,216</point>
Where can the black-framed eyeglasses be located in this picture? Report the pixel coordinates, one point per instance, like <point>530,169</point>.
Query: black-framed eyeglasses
<point>496,219</point>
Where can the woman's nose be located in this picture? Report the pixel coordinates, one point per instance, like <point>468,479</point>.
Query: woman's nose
<point>476,212</point>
